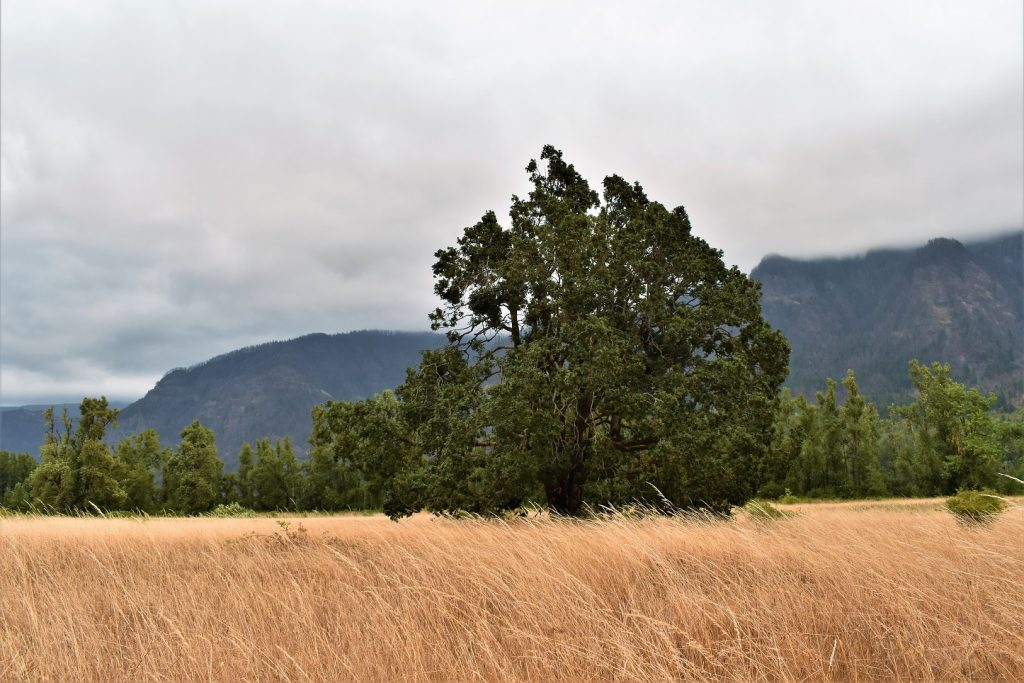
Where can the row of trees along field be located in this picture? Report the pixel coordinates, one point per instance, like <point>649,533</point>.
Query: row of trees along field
<point>600,353</point>
<point>79,471</point>
<point>946,440</point>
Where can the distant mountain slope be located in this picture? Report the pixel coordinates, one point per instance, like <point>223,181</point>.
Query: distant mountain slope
<point>945,301</point>
<point>21,428</point>
<point>270,389</point>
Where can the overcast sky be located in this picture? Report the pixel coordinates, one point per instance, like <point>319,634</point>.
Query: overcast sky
<point>181,179</point>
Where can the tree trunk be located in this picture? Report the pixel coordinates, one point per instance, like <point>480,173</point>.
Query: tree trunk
<point>565,494</point>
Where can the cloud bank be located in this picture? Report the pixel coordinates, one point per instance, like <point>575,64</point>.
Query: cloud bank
<point>180,179</point>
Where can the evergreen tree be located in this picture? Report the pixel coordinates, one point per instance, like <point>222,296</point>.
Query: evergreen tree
<point>804,472</point>
<point>1010,434</point>
<point>194,472</point>
<point>139,459</point>
<point>830,440</point>
<point>359,452</point>
<point>783,450</point>
<point>600,352</point>
<point>832,449</point>
<point>898,458</point>
<point>862,427</point>
<point>229,491</point>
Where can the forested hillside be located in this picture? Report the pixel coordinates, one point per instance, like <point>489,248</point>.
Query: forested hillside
<point>946,301</point>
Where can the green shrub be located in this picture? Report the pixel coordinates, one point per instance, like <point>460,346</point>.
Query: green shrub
<point>763,511</point>
<point>976,506</point>
<point>788,498</point>
<point>231,510</point>
<point>773,490</point>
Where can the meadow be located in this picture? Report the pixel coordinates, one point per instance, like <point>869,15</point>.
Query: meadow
<point>845,591</point>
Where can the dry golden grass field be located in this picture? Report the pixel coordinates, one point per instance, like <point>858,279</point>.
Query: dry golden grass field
<point>856,591</point>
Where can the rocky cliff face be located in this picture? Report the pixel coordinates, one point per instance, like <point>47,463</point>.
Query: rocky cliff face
<point>946,301</point>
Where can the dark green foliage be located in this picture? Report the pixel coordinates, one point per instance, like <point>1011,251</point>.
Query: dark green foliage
<point>898,458</point>
<point>229,490</point>
<point>955,435</point>
<point>1010,435</point>
<point>831,450</point>
<point>194,472</point>
<point>794,422</point>
<point>824,449</point>
<point>77,470</point>
<point>946,440</point>
<point>15,470</point>
<point>359,455</point>
<point>600,353</point>
<point>275,479</point>
<point>976,506</point>
<point>243,480</point>
<point>862,427</point>
<point>771,491</point>
<point>139,459</point>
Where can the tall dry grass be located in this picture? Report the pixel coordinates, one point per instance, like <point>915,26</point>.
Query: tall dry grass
<point>839,592</point>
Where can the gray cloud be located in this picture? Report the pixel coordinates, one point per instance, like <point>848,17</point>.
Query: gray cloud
<point>181,179</point>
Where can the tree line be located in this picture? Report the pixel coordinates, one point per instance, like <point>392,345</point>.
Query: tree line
<point>947,440</point>
<point>599,354</point>
<point>78,470</point>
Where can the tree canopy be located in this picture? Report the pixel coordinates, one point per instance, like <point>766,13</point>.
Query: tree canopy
<point>600,352</point>
<point>77,470</point>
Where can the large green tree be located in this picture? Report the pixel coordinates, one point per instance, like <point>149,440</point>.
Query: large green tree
<point>831,449</point>
<point>244,478</point>
<point>600,352</point>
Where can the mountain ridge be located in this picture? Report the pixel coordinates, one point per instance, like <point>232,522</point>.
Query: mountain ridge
<point>943,301</point>
<point>269,390</point>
